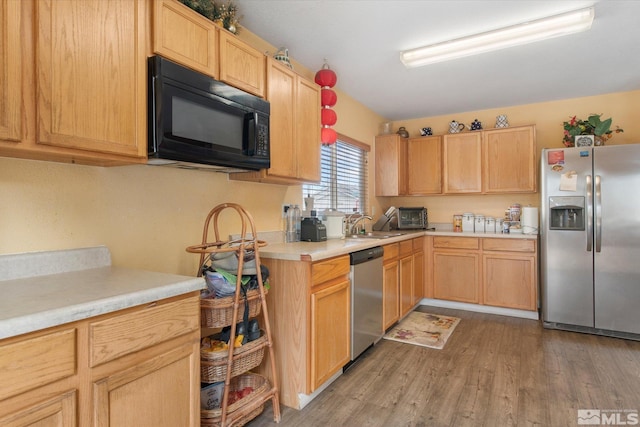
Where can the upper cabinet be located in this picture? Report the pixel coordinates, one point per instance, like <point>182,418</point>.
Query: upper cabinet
<point>492,161</point>
<point>11,56</point>
<point>241,65</point>
<point>509,160</point>
<point>462,170</point>
<point>390,165</point>
<point>294,128</point>
<point>79,78</point>
<point>188,38</point>
<point>91,73</point>
<point>185,37</point>
<point>424,172</point>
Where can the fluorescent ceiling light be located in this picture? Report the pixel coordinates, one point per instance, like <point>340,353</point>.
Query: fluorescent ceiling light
<point>546,28</point>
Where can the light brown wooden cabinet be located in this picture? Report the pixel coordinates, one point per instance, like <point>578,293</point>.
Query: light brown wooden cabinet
<point>111,370</point>
<point>491,271</point>
<point>294,128</point>
<point>390,285</point>
<point>184,36</point>
<point>424,172</point>
<point>510,273</point>
<point>390,165</point>
<point>509,160</point>
<point>406,288</point>
<point>12,56</point>
<point>309,313</point>
<point>241,65</point>
<point>462,163</point>
<point>82,68</point>
<point>418,270</point>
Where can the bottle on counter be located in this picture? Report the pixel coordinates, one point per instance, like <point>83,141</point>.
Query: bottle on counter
<point>290,229</point>
<point>297,218</point>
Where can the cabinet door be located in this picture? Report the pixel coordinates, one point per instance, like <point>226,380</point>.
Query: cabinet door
<point>184,36</point>
<point>462,163</point>
<point>158,391</point>
<point>406,284</point>
<point>307,130</point>
<point>330,330</point>
<point>281,94</point>
<point>390,293</point>
<point>424,173</point>
<point>241,65</point>
<point>390,165</point>
<point>510,280</point>
<point>510,160</point>
<point>11,75</point>
<point>456,276</point>
<point>418,277</point>
<point>92,75</point>
<point>59,411</point>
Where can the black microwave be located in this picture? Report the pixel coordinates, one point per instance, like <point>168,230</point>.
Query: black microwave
<point>197,121</point>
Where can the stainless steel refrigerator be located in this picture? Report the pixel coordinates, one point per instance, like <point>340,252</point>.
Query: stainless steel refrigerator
<point>590,239</point>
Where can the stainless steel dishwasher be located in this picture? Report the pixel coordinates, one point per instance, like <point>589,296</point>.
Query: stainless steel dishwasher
<point>366,299</point>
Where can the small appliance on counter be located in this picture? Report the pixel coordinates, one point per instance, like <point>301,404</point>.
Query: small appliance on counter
<point>334,221</point>
<point>312,230</point>
<point>412,218</point>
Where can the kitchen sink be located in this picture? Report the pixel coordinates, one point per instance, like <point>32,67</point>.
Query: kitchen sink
<point>375,235</point>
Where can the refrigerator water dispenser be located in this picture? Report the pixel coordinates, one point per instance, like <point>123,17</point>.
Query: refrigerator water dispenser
<point>566,213</point>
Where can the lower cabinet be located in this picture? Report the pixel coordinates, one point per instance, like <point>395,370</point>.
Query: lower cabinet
<point>310,317</point>
<point>418,270</point>
<point>491,271</point>
<point>330,329</point>
<point>406,277</point>
<point>390,285</point>
<point>139,366</point>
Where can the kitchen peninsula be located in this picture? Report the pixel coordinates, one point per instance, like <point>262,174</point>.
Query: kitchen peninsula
<point>83,340</point>
<point>310,300</point>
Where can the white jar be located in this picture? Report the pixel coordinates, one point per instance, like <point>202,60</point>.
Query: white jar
<point>499,225</point>
<point>479,223</point>
<point>468,223</point>
<point>489,225</point>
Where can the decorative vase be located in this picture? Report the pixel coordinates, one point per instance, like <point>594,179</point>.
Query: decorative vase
<point>599,140</point>
<point>403,132</point>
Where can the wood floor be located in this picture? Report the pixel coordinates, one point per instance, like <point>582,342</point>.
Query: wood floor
<point>494,371</point>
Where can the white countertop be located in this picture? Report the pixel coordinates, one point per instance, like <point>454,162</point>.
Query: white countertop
<point>315,251</point>
<point>71,285</point>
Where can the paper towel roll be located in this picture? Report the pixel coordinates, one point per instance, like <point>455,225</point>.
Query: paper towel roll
<point>529,220</point>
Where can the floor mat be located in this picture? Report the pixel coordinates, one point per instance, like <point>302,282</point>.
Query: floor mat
<point>425,329</point>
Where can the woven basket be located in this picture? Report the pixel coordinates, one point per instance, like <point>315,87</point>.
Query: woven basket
<point>259,384</point>
<point>244,419</point>
<point>218,312</point>
<point>213,365</point>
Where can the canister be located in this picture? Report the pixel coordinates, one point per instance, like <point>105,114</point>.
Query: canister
<point>479,223</point>
<point>457,223</point>
<point>489,225</point>
<point>467,222</point>
<point>499,225</point>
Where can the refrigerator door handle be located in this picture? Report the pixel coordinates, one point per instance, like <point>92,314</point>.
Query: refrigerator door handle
<point>589,214</point>
<point>598,216</point>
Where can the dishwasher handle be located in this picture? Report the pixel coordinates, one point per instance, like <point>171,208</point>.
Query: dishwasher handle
<point>366,255</point>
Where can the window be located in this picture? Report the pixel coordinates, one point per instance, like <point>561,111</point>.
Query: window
<point>343,178</point>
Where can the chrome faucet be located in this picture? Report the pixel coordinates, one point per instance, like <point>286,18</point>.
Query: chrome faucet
<point>354,226</point>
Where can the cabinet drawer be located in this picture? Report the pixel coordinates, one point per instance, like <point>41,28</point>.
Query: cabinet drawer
<point>510,245</point>
<point>406,248</point>
<point>456,242</point>
<point>135,330</point>
<point>34,362</point>
<point>390,252</point>
<point>418,244</point>
<point>324,271</point>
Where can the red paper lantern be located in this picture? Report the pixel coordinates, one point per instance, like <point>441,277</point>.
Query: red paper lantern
<point>326,77</point>
<point>328,136</point>
<point>328,98</point>
<point>328,117</point>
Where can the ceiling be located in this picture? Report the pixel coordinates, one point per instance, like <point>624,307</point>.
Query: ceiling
<point>362,40</point>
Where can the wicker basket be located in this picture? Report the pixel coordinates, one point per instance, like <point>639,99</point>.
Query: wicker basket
<point>218,312</point>
<point>259,384</point>
<point>244,419</point>
<point>213,365</point>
